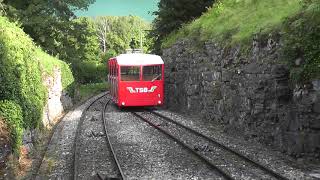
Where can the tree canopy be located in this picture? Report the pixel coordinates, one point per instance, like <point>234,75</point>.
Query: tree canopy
<point>116,34</point>
<point>59,8</point>
<point>53,25</point>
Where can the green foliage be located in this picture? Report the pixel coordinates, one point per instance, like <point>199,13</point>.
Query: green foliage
<point>12,114</point>
<point>236,21</point>
<point>63,9</point>
<point>172,14</point>
<point>301,43</point>
<point>74,42</point>
<point>51,25</point>
<point>116,33</point>
<point>2,11</point>
<point>109,54</point>
<point>82,41</point>
<point>49,63</point>
<point>90,72</point>
<point>87,90</point>
<point>22,93</point>
<point>20,74</point>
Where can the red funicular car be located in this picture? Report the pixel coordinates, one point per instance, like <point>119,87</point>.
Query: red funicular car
<point>136,79</point>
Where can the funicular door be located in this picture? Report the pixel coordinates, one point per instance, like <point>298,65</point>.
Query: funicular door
<point>110,77</point>
<point>113,79</point>
<point>116,82</point>
<point>152,79</point>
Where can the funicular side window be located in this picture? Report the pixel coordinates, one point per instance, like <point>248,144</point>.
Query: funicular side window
<point>111,69</point>
<point>152,73</point>
<point>116,70</point>
<point>130,73</point>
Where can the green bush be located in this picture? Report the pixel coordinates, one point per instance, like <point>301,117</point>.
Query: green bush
<point>301,35</point>
<point>12,114</point>
<point>48,63</point>
<point>20,74</point>
<point>84,91</point>
<point>90,72</point>
<point>23,67</point>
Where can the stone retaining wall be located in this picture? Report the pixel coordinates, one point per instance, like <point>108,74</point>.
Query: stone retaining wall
<point>58,101</point>
<point>250,94</point>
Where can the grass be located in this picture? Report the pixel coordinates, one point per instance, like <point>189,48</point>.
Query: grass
<point>85,91</point>
<point>236,21</point>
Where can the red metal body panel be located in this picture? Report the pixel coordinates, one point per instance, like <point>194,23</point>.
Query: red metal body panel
<point>134,93</point>
<point>141,93</point>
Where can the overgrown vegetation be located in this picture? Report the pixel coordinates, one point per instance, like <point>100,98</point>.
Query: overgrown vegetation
<point>85,91</point>
<point>53,26</point>
<point>90,71</point>
<point>21,79</point>
<point>172,14</point>
<point>12,115</point>
<point>301,35</point>
<point>22,93</point>
<point>238,21</point>
<point>49,63</point>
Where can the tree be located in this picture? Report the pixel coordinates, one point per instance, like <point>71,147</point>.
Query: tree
<point>2,12</point>
<point>53,25</point>
<point>172,14</point>
<point>103,27</point>
<point>79,46</point>
<point>60,8</point>
<point>48,22</point>
<point>116,33</point>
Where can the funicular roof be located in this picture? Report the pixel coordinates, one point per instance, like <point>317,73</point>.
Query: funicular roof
<point>138,59</point>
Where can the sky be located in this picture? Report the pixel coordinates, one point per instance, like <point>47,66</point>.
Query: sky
<point>121,8</point>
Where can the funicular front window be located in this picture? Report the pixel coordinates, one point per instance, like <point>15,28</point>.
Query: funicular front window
<point>130,73</point>
<point>152,73</point>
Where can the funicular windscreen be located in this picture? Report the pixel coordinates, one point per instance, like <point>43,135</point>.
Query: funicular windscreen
<point>130,73</point>
<point>152,73</point>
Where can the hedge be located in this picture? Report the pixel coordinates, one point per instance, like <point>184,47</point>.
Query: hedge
<point>90,72</point>
<point>22,66</point>
<point>12,114</point>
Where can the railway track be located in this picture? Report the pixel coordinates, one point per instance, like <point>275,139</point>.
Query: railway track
<point>121,174</point>
<point>229,164</point>
<point>213,152</point>
<point>79,149</point>
<point>124,141</point>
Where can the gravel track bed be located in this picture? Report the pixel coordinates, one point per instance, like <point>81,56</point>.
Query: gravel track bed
<point>228,162</point>
<point>94,154</point>
<point>255,151</point>
<point>57,162</point>
<point>146,153</point>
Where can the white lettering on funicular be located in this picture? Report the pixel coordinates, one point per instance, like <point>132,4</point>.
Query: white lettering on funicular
<point>141,90</point>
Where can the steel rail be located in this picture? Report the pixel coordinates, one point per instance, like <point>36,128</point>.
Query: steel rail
<point>75,147</point>
<point>109,141</point>
<point>201,157</point>
<point>264,168</point>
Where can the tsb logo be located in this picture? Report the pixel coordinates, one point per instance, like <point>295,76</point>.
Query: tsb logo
<point>141,90</point>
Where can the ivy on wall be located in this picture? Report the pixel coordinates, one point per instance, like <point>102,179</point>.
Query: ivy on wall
<point>22,93</point>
